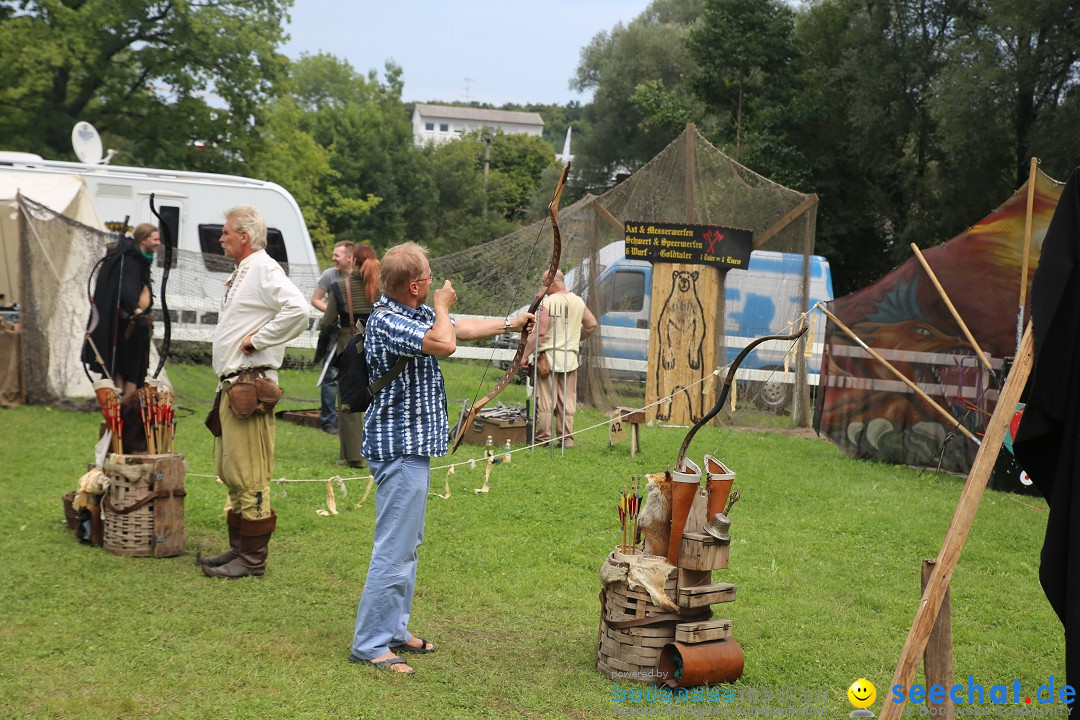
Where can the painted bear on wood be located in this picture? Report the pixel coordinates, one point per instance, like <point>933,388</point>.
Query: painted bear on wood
<point>680,343</point>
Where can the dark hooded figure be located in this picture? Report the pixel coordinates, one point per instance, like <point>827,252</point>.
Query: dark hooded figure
<point>122,301</point>
<point>1047,442</point>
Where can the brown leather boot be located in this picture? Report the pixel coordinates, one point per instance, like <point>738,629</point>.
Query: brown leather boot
<point>251,558</point>
<point>233,519</point>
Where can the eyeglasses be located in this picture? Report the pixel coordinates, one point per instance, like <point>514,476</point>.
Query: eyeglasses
<point>424,279</point>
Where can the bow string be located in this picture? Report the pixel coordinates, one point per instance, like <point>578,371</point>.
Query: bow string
<point>545,283</point>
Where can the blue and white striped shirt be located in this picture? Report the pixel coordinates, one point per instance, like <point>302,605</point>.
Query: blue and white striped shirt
<point>408,417</point>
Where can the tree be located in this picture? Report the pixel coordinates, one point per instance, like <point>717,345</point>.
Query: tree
<point>289,156</point>
<point>614,65</point>
<point>517,165</point>
<point>380,190</point>
<point>458,177</point>
<point>1027,56</point>
<point>743,50</point>
<point>173,83</point>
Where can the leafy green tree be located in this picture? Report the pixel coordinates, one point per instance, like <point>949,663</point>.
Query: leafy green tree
<point>1012,69</point>
<point>743,50</point>
<point>176,84</point>
<point>650,49</point>
<point>289,156</point>
<point>459,216</point>
<point>517,164</point>
<point>380,190</point>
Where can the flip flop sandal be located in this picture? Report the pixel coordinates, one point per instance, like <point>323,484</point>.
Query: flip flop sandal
<point>386,664</point>
<point>422,650</point>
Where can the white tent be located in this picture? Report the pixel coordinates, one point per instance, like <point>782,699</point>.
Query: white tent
<point>65,194</point>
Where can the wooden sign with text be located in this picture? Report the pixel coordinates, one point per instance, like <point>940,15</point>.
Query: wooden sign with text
<point>717,245</point>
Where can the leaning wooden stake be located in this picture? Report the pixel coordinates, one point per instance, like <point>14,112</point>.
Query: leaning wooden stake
<point>938,584</point>
<point>1033,177</point>
<point>938,657</point>
<point>952,309</point>
<point>919,392</point>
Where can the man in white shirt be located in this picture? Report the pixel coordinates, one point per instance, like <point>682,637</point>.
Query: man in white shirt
<point>261,311</point>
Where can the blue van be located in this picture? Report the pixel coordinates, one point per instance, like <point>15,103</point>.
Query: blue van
<point>764,299</point>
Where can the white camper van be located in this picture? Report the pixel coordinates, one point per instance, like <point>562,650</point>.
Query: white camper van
<point>192,204</point>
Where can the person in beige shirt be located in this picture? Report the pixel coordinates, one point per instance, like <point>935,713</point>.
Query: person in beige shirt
<point>564,321</point>
<point>261,311</point>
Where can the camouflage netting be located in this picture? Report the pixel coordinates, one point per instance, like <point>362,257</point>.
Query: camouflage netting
<point>689,181</point>
<point>55,258</point>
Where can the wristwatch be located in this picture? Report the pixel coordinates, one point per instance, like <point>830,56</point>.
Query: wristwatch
<point>506,325</point>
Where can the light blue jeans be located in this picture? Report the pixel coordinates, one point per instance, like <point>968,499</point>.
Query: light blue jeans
<point>401,493</point>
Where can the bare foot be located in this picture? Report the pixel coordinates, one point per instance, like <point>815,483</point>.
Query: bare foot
<point>420,644</point>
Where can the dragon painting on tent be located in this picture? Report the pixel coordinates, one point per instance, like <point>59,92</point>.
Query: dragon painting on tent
<point>865,409</point>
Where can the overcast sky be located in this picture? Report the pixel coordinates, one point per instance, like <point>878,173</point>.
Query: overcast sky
<point>490,51</point>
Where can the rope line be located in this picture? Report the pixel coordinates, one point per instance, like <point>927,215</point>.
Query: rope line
<point>474,461</point>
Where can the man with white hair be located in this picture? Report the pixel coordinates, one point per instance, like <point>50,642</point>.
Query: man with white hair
<point>261,311</point>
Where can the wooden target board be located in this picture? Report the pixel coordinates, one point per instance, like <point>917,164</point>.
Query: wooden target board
<point>683,341</point>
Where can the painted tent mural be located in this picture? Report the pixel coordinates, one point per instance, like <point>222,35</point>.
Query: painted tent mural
<point>864,408</point>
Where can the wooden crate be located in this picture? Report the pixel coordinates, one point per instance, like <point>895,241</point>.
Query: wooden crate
<point>702,595</point>
<point>701,551</point>
<point>499,430</point>
<point>143,511</point>
<point>699,632</point>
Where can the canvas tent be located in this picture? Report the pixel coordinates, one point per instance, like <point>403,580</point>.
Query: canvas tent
<point>51,237</point>
<point>66,194</point>
<point>871,414</point>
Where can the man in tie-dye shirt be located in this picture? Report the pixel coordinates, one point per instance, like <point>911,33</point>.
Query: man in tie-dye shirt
<point>404,428</point>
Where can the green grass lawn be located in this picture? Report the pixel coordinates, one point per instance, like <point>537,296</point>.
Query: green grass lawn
<point>825,552</point>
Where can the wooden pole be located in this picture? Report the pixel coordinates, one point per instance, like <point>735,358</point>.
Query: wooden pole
<point>810,201</point>
<point>1033,176</point>
<point>952,308</point>
<point>903,378</point>
<point>689,165</point>
<point>938,657</point>
<point>606,215</point>
<point>963,517</point>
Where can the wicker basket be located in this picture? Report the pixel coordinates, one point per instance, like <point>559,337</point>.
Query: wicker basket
<point>632,653</point>
<point>143,511</point>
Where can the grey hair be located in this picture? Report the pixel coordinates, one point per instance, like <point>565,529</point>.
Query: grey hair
<point>247,218</point>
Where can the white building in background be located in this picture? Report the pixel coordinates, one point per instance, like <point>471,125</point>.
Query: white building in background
<point>442,123</point>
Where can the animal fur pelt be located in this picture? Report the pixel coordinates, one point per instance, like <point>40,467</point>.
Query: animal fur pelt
<point>644,571</point>
<point>651,573</point>
<point>655,520</point>
<point>94,482</point>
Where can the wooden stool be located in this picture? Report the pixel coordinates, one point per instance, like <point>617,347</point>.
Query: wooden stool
<point>634,418</point>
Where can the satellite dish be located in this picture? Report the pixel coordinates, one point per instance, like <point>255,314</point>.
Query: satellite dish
<point>86,142</point>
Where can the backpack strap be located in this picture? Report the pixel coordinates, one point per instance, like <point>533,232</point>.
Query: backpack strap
<point>348,293</point>
<point>389,376</point>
